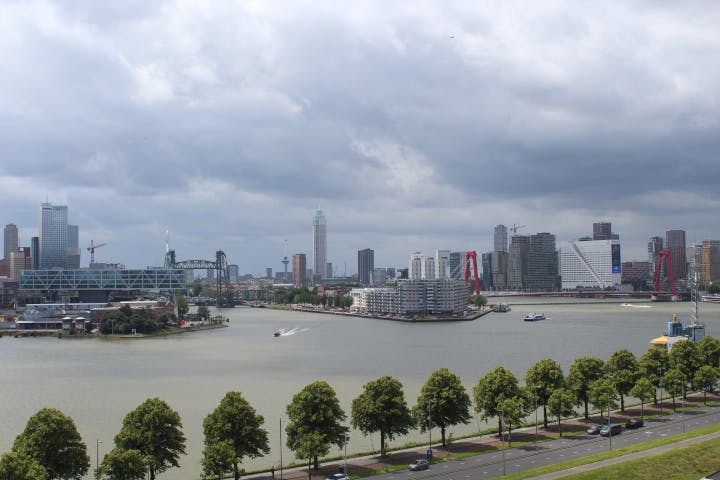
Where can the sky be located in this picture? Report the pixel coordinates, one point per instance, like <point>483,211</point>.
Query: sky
<point>415,126</point>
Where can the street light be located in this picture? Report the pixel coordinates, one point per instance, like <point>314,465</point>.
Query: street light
<point>683,404</point>
<point>97,457</point>
<point>536,409</point>
<point>502,439</point>
<point>609,424</point>
<point>347,439</point>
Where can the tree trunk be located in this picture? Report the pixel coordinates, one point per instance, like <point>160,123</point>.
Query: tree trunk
<point>655,398</point>
<point>674,409</point>
<point>509,434</point>
<point>309,472</point>
<point>587,417</point>
<point>442,432</point>
<point>316,464</point>
<point>236,471</point>
<point>559,427</point>
<point>152,473</point>
<point>622,403</point>
<point>500,427</point>
<point>382,443</point>
<point>545,419</point>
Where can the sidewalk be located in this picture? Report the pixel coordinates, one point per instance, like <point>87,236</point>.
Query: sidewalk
<point>358,465</point>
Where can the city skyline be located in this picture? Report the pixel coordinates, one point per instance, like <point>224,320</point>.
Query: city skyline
<point>416,127</point>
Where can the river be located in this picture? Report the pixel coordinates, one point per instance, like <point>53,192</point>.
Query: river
<point>97,382</point>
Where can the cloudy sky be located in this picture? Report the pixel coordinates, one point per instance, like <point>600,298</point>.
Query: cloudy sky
<point>413,125</point>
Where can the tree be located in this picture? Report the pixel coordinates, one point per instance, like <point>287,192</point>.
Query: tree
<point>561,405</point>
<point>443,402</point>
<point>18,466</point>
<point>51,439</point>
<point>512,411</point>
<point>675,383</point>
<point>705,379</point>
<point>542,379</point>
<point>583,372</point>
<point>203,312</point>
<point>685,356</point>
<point>709,349</point>
<point>235,422</point>
<point>381,407</point>
<point>622,368</point>
<point>492,389</point>
<point>643,390</point>
<point>217,459</point>
<point>653,365</point>
<point>479,300</point>
<point>315,410</point>
<point>182,305</point>
<point>122,464</point>
<point>311,446</point>
<point>155,430</point>
<point>603,395</point>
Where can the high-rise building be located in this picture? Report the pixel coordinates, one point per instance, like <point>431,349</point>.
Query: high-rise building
<point>709,262</point>
<point>366,264</point>
<point>11,243</point>
<point>415,266</point>
<point>487,277</point>
<point>442,264</point>
<point>655,245</point>
<point>518,262</point>
<point>35,252</point>
<point>268,272</point>
<point>19,260</point>
<point>73,246</point>
<point>499,266</point>
<point>428,269</point>
<point>590,264</point>
<point>456,263</point>
<point>500,239</point>
<point>602,231</point>
<point>319,231</point>
<point>299,269</point>
<point>636,274</point>
<point>543,272</point>
<point>53,236</point>
<point>233,273</point>
<point>675,242</point>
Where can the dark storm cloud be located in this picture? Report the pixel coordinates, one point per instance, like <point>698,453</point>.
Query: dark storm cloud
<point>415,126</point>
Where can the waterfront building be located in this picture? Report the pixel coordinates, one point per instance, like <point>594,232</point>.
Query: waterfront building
<point>53,236</point>
<point>74,250</point>
<point>637,274</point>
<point>590,264</point>
<point>35,252</point>
<point>442,263</point>
<point>19,260</point>
<point>328,270</point>
<point>499,266</point>
<point>268,272</point>
<point>543,269</point>
<point>428,271</point>
<point>500,238</point>
<point>412,297</point>
<point>518,262</point>
<point>675,242</point>
<point>709,262</point>
<point>390,273</point>
<point>655,245</point>
<point>416,265</point>
<point>602,231</point>
<point>319,232</point>
<point>299,269</point>
<point>456,264</point>
<point>233,273</point>
<point>11,242</point>
<point>402,273</point>
<point>366,264</point>
<point>378,276</point>
<point>487,279</point>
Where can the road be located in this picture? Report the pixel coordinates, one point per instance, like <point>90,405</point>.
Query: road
<point>553,451</point>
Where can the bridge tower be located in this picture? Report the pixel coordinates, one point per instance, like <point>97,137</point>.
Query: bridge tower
<point>222,280</point>
<point>664,255</point>
<point>468,256</point>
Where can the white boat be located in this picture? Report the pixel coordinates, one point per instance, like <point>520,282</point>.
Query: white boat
<point>531,317</point>
<point>714,298</point>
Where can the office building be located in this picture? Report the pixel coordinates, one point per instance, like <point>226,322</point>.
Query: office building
<point>655,245</point>
<point>366,264</point>
<point>602,231</point>
<point>500,239</point>
<point>543,269</point>
<point>19,260</point>
<point>268,272</point>
<point>442,264</point>
<point>35,252</point>
<point>11,242</point>
<point>319,231</point>
<point>591,264</point>
<point>378,276</point>
<point>73,246</point>
<point>636,274</point>
<point>457,264</point>
<point>428,270</point>
<point>416,266</point>
<point>675,243</point>
<point>518,262</point>
<point>299,269</point>
<point>499,267</point>
<point>233,273</point>
<point>53,236</point>
<point>709,262</point>
<point>487,278</point>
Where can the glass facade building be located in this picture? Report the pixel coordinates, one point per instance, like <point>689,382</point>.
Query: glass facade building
<point>53,236</point>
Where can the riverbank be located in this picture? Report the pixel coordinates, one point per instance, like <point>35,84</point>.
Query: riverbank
<point>61,334</point>
<point>344,313</point>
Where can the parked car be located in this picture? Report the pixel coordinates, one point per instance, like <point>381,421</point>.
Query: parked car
<point>634,423</point>
<point>338,476</point>
<point>594,429</point>
<point>419,464</point>
<point>609,430</point>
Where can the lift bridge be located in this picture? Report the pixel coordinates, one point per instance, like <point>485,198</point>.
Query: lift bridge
<point>221,273</point>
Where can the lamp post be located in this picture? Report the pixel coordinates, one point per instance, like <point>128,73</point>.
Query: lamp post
<point>281,449</point>
<point>502,439</point>
<point>607,394</point>
<point>683,404</point>
<point>97,457</point>
<point>536,409</point>
<point>661,389</point>
<point>347,439</point>
<point>429,422</point>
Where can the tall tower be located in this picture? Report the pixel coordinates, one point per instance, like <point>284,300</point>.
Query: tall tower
<point>602,231</point>
<point>543,272</point>
<point>319,244</point>
<point>53,236</point>
<point>675,242</point>
<point>299,269</point>
<point>11,240</point>
<point>366,264</point>
<point>74,246</point>
<point>500,239</point>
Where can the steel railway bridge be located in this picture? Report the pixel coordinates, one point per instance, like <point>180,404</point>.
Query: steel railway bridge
<point>222,281</point>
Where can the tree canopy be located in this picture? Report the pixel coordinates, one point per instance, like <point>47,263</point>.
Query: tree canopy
<point>51,439</point>
<point>685,356</point>
<point>155,430</point>
<point>653,365</point>
<point>622,369</point>
<point>315,410</point>
<point>542,379</point>
<point>492,389</point>
<point>120,464</point>
<point>234,423</point>
<point>443,402</point>
<point>561,405</point>
<point>381,407</point>
<point>583,372</point>
<point>643,390</point>
<point>18,466</point>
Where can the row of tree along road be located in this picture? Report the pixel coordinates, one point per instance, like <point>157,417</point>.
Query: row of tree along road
<point>151,439</point>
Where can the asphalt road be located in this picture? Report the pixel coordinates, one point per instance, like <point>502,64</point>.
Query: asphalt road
<point>553,451</point>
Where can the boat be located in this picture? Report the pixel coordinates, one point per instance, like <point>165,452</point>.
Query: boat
<point>677,331</point>
<point>501,307</point>
<point>532,317</point>
<point>277,333</point>
<point>710,298</point>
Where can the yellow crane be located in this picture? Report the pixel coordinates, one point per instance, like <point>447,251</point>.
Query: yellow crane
<point>92,248</point>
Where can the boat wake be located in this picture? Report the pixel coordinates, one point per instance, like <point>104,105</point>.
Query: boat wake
<point>284,332</point>
<point>634,306</point>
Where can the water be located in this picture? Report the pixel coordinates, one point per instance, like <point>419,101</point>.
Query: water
<point>97,382</point>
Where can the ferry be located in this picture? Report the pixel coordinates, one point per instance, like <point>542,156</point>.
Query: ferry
<point>501,307</point>
<point>676,331</point>
<point>531,317</point>
<point>710,298</point>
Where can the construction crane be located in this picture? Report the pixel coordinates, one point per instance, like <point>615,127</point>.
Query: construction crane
<point>92,248</point>
<point>515,228</point>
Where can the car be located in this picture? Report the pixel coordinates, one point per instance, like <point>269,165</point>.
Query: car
<point>594,429</point>
<point>609,430</point>
<point>634,423</point>
<point>419,464</point>
<point>338,476</point>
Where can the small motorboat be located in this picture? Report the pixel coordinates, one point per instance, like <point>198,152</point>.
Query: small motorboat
<point>532,317</point>
<point>277,333</point>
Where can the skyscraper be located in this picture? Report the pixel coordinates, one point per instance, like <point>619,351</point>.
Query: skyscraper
<point>543,272</point>
<point>299,269</point>
<point>442,263</point>
<point>675,242</point>
<point>500,239</point>
<point>53,236</point>
<point>319,244</point>
<point>602,231</point>
<point>518,262</point>
<point>456,263</point>
<point>73,246</point>
<point>366,264</point>
<point>487,277</point>
<point>11,240</point>
<point>655,244</point>
<point>415,266</point>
